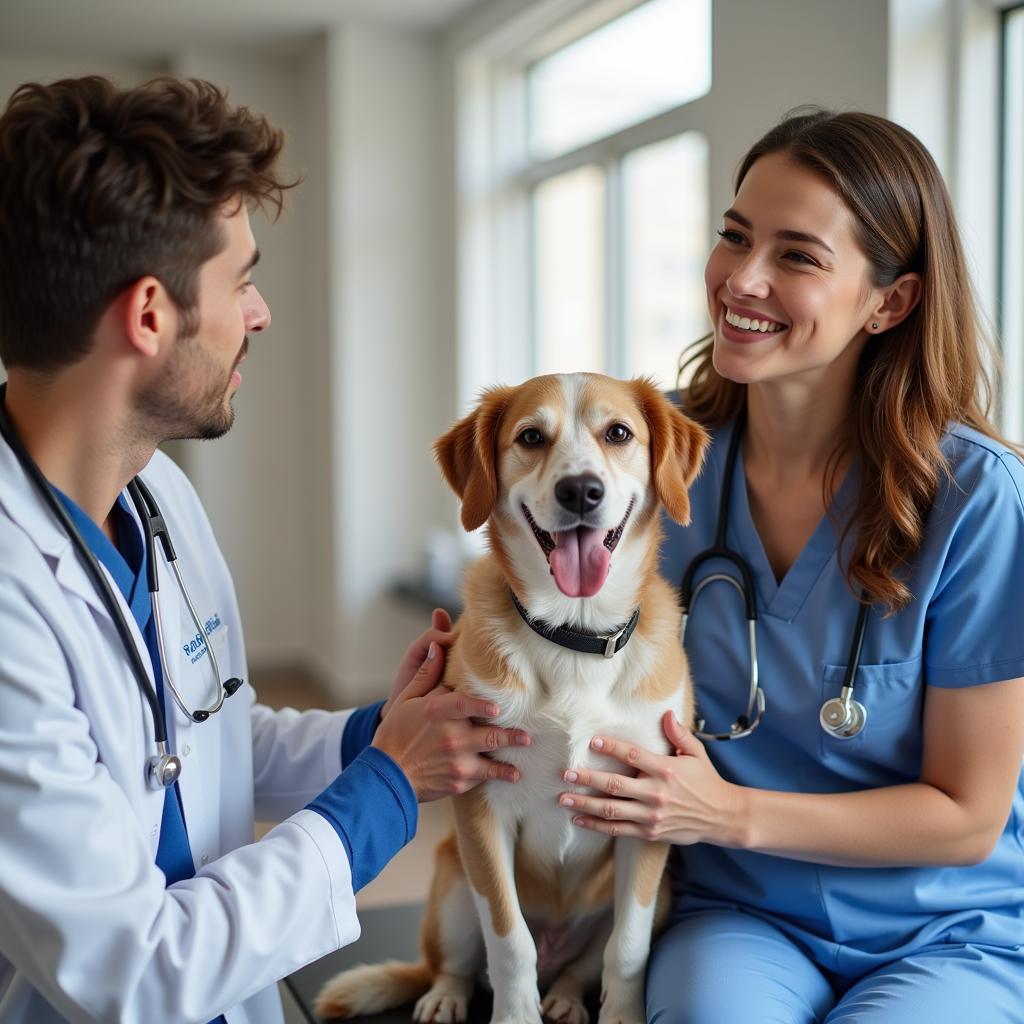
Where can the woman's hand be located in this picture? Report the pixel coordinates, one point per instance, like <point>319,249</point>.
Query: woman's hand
<point>440,633</point>
<point>674,799</point>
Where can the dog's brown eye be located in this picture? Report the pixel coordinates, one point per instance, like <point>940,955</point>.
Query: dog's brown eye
<point>618,434</point>
<point>531,437</point>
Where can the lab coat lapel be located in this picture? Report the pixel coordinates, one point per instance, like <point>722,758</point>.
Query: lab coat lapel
<point>73,578</point>
<point>72,575</point>
<point>23,503</point>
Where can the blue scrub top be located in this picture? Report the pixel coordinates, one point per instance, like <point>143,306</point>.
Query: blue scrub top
<point>965,627</point>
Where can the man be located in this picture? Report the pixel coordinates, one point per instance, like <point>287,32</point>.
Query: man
<point>125,307</point>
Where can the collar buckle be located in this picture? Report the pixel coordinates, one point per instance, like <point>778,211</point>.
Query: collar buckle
<point>609,648</point>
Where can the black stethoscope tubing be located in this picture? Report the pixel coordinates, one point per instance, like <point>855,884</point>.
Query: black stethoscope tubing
<point>719,549</point>
<point>841,717</point>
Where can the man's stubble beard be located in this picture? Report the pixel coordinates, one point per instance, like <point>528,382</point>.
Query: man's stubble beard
<point>189,400</point>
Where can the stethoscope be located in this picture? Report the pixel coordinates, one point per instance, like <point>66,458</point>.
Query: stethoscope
<point>162,769</point>
<point>842,716</point>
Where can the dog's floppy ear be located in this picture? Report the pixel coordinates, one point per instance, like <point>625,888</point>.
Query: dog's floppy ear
<point>467,455</point>
<point>678,445</point>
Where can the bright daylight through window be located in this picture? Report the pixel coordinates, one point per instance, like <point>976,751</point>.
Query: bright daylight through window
<point>619,193</point>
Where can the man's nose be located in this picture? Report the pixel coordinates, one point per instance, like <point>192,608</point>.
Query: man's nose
<point>255,310</point>
<point>580,494</point>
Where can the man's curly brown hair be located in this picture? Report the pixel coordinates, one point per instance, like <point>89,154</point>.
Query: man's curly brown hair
<point>101,185</point>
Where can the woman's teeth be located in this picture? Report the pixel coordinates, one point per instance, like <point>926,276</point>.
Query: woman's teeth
<point>744,323</point>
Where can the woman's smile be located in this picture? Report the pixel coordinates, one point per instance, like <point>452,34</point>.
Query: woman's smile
<point>746,326</point>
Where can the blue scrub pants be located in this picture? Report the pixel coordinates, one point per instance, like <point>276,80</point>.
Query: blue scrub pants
<point>729,967</point>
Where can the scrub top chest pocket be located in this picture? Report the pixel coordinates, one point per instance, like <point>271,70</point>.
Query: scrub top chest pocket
<point>887,750</point>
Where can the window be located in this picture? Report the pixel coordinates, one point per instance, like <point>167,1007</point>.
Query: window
<point>629,310</point>
<point>665,246</point>
<point>584,191</point>
<point>1011,221</point>
<point>619,222</point>
<point>648,60</point>
<point>568,271</point>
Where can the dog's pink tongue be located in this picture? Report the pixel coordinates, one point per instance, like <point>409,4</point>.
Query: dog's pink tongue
<point>580,561</point>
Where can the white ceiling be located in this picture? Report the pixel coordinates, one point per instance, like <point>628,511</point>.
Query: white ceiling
<point>155,29</point>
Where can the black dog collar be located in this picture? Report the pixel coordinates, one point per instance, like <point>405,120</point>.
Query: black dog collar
<point>574,640</point>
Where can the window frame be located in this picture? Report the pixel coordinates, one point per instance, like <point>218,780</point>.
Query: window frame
<point>495,180</point>
<point>1010,388</point>
<point>609,154</point>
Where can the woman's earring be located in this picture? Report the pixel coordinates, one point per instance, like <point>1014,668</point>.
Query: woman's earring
<point>874,327</point>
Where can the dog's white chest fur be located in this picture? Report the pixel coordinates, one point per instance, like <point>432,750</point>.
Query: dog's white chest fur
<point>562,716</point>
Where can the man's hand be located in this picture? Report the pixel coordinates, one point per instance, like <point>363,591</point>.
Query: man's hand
<point>431,733</point>
<point>440,632</point>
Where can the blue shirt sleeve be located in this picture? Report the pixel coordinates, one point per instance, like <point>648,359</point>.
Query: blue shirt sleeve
<point>974,628</point>
<point>358,733</point>
<point>372,807</point>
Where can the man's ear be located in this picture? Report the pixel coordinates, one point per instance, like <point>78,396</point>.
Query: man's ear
<point>148,315</point>
<point>467,455</point>
<point>678,445</point>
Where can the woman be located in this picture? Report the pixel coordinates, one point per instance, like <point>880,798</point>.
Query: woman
<point>872,870</point>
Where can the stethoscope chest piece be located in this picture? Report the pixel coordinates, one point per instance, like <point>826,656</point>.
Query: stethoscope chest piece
<point>163,769</point>
<point>843,717</point>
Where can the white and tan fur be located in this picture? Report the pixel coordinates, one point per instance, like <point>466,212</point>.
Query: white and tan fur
<point>542,903</point>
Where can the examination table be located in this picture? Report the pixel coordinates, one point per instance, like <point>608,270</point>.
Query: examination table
<point>389,933</point>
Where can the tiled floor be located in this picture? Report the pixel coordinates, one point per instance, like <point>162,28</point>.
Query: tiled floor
<point>407,878</point>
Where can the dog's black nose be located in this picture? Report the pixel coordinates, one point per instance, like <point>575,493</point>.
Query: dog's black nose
<point>581,494</point>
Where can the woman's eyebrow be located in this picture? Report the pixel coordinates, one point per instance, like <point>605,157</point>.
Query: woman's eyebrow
<point>789,236</point>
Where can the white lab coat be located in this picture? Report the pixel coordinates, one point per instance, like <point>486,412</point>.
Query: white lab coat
<point>88,931</point>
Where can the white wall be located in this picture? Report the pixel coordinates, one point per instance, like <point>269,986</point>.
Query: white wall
<point>391,362</point>
<point>258,482</point>
<point>318,265</point>
<point>771,57</point>
<point>15,69</point>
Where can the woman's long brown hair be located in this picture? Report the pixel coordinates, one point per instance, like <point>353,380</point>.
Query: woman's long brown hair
<point>914,380</point>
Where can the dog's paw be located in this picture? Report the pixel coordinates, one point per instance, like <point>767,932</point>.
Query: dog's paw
<point>563,1008</point>
<point>446,1001</point>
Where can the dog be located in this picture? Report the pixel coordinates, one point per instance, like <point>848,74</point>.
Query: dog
<point>569,472</point>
